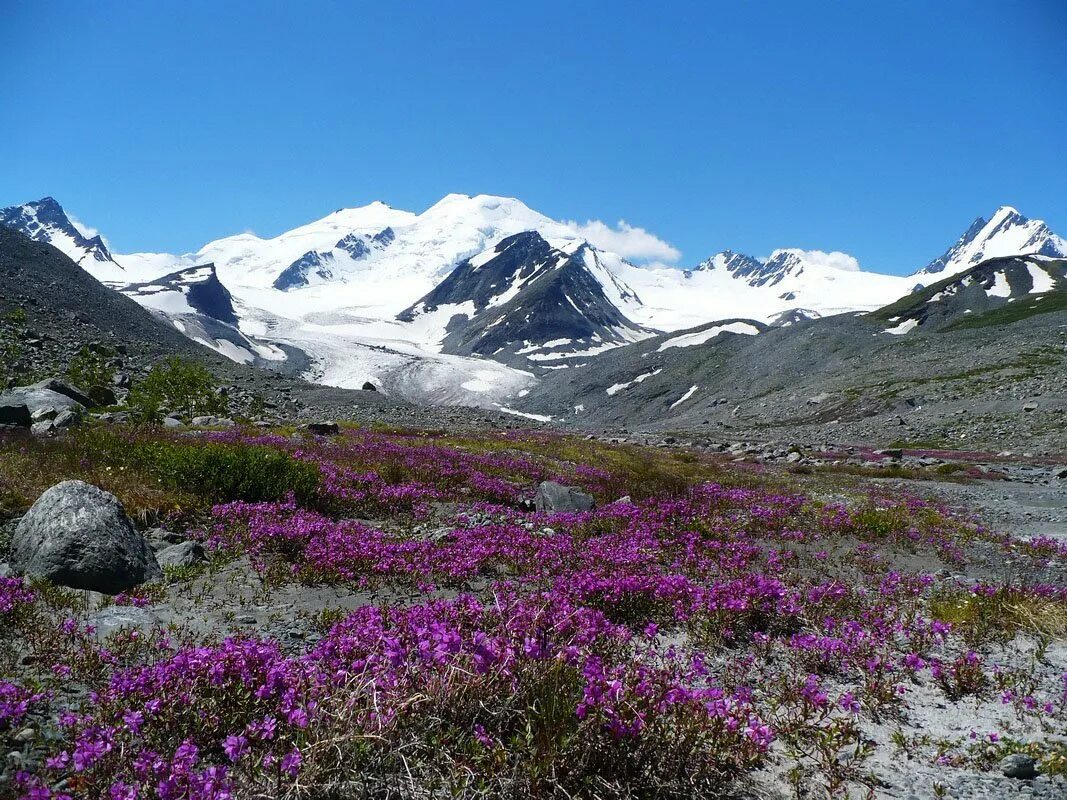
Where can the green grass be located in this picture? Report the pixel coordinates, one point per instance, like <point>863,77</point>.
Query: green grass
<point>1022,308</point>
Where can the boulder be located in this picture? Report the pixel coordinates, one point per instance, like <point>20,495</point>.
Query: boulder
<point>62,387</point>
<point>172,422</point>
<point>79,536</point>
<point>552,496</point>
<point>41,401</point>
<point>369,387</point>
<point>1018,765</point>
<point>183,554</point>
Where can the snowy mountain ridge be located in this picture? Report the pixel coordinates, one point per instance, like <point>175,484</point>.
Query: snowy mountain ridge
<point>1005,233</point>
<point>418,302</point>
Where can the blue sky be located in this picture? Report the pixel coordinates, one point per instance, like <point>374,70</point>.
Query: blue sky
<point>879,129</point>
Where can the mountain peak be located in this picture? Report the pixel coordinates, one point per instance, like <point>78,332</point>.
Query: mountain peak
<point>1006,233</point>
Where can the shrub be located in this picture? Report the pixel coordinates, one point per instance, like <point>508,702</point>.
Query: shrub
<point>231,472</point>
<point>90,371</point>
<point>176,386</point>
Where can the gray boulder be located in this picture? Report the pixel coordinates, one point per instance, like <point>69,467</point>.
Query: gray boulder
<point>79,536</point>
<point>1018,765</point>
<point>42,402</point>
<point>552,496</point>
<point>62,387</point>
<point>183,554</point>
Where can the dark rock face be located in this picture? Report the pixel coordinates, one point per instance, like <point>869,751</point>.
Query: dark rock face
<point>201,286</point>
<point>552,496</point>
<point>323,428</point>
<point>528,292</point>
<point>969,298</point>
<point>369,387</point>
<point>79,536</point>
<point>14,412</point>
<point>296,274</point>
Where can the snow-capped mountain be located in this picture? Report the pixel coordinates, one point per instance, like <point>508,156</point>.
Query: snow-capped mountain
<point>198,305</point>
<point>45,220</point>
<point>525,301</point>
<point>464,301</point>
<point>1005,233</point>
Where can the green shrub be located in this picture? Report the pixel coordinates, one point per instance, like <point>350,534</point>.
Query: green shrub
<point>231,472</point>
<point>90,371</point>
<point>178,387</point>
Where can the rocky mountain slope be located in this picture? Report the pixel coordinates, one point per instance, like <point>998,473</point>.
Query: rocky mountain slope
<point>50,308</point>
<point>993,376</point>
<point>994,292</point>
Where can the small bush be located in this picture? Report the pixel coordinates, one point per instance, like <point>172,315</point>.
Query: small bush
<point>90,371</point>
<point>179,387</point>
<point>231,472</point>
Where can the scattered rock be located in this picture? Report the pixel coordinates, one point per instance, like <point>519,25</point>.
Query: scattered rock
<point>552,496</point>
<point>211,421</point>
<point>1018,765</point>
<point>1028,407</point>
<point>79,536</point>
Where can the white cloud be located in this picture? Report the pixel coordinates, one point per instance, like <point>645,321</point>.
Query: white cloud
<point>625,239</point>
<point>88,231</point>
<point>834,259</point>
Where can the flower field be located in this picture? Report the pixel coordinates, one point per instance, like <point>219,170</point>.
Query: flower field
<point>709,630</point>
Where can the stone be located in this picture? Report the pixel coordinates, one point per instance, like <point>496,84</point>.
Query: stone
<point>103,396</point>
<point>890,452</point>
<point>172,422</point>
<point>43,428</point>
<point>1028,407</point>
<point>60,386</point>
<point>79,536</point>
<point>211,421</point>
<point>326,428</point>
<point>369,387</point>
<point>1018,765</point>
<point>41,400</point>
<point>183,554</point>
<point>552,496</point>
<point>66,419</point>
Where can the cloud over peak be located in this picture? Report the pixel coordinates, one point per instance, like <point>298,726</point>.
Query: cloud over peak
<point>625,239</point>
